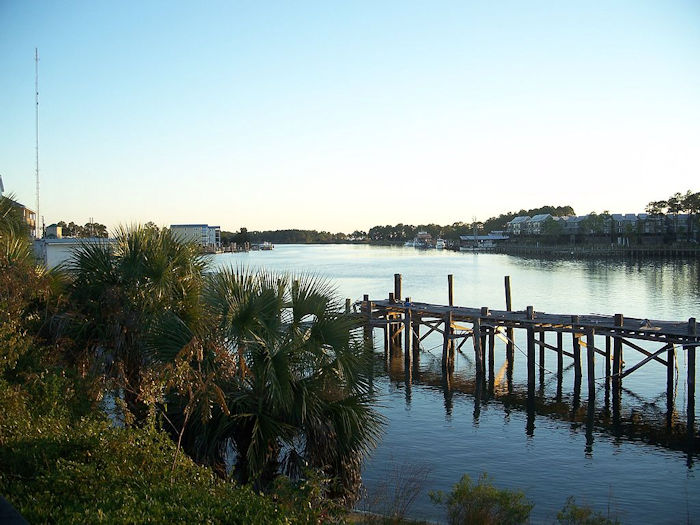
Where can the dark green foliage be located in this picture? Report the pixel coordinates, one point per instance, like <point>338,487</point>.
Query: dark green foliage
<point>118,290</point>
<point>283,379</point>
<point>573,514</point>
<point>54,468</point>
<point>482,503</point>
<point>90,229</point>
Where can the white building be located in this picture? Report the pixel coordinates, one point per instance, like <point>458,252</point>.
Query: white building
<point>53,252</point>
<point>203,234</point>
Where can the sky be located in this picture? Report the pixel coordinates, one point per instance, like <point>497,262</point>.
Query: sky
<point>339,116</point>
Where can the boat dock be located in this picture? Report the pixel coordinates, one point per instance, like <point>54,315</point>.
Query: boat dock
<point>406,323</point>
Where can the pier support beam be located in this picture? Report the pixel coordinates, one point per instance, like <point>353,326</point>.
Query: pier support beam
<point>510,349</point>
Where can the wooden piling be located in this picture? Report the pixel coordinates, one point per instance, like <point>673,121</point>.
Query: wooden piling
<point>560,354</point>
<point>408,336</point>
<point>348,303</point>
<point>415,328</point>
<point>492,356</point>
<point>484,336</point>
<point>447,347</point>
<point>590,361</point>
<point>617,354</point>
<point>450,290</point>
<point>478,353</point>
<point>397,286</point>
<point>607,357</point>
<point>367,307</point>
<point>541,339</point>
<point>530,352</point>
<point>510,348</point>
<point>692,330</point>
<point>576,347</point>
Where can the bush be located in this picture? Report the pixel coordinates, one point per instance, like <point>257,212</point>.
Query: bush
<point>573,514</point>
<point>482,503</point>
<point>56,470</point>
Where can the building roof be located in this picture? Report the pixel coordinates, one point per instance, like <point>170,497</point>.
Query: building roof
<point>522,218</point>
<point>541,217</point>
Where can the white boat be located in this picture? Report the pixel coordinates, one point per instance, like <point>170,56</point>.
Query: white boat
<point>440,244</point>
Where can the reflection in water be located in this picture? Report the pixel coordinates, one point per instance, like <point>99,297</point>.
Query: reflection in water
<point>649,425</point>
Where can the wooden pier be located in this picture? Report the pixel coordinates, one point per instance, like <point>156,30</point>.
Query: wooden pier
<point>406,324</point>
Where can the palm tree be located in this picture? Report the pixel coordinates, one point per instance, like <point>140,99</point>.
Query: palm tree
<point>119,288</point>
<point>293,375</point>
<point>14,238</point>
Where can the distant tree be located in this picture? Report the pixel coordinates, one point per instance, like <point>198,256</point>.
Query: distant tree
<point>552,229</point>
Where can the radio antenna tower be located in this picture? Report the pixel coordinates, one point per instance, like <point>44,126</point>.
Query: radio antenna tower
<point>36,92</point>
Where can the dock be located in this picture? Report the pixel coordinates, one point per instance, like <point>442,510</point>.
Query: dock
<point>406,323</point>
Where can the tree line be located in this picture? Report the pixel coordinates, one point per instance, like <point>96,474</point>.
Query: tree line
<point>386,233</point>
<point>89,229</point>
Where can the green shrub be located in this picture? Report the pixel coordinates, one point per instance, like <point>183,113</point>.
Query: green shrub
<point>482,503</point>
<point>56,470</point>
<point>573,514</point>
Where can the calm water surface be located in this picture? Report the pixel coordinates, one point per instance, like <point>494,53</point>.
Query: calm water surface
<point>631,467</point>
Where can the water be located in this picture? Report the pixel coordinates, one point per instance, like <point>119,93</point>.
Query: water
<point>632,467</point>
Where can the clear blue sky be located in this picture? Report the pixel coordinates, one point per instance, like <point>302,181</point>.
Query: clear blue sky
<point>342,115</point>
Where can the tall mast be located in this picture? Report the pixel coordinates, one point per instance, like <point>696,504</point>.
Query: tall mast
<point>36,92</point>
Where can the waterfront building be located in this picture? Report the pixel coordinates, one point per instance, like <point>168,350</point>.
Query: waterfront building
<point>208,237</point>
<point>52,252</point>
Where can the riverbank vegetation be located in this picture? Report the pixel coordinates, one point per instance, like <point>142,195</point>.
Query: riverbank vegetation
<point>137,387</point>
